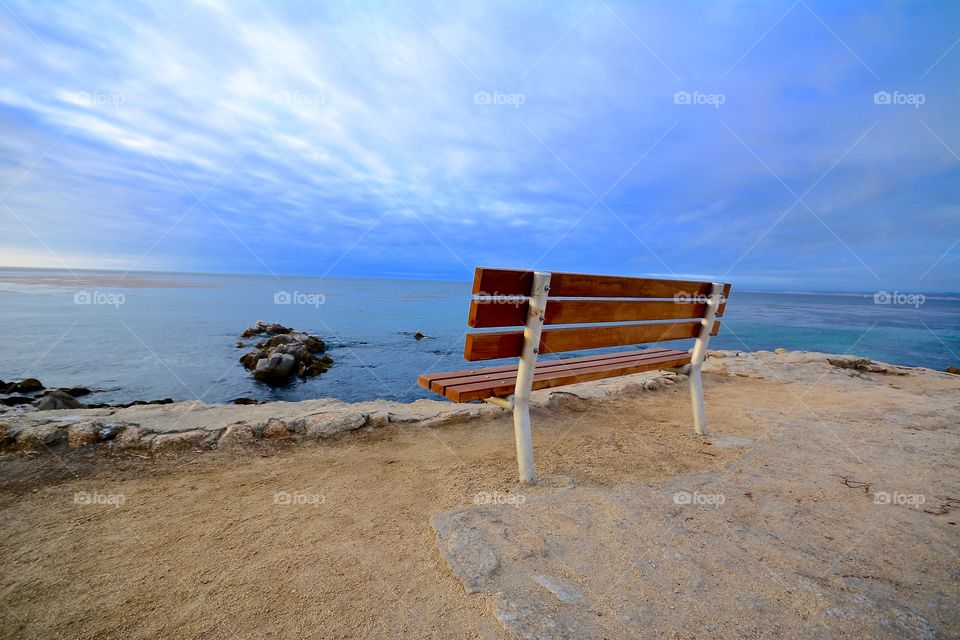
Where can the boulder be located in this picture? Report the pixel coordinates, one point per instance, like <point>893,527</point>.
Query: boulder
<point>82,434</point>
<point>36,437</point>
<point>955,371</point>
<point>76,392</point>
<point>57,400</point>
<point>14,401</point>
<point>419,336</point>
<point>110,430</point>
<point>181,440</point>
<point>314,345</point>
<point>245,401</point>
<point>30,385</point>
<point>276,368</point>
<point>250,359</point>
<point>323,425</point>
<point>278,340</point>
<point>275,329</point>
<point>276,428</point>
<point>236,435</point>
<point>132,437</point>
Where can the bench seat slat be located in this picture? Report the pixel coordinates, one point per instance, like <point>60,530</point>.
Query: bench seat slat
<point>502,384</point>
<point>509,344</point>
<point>439,382</point>
<point>493,312</point>
<point>428,380</point>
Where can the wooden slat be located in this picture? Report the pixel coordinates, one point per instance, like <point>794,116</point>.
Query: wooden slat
<point>567,365</point>
<point>559,377</point>
<point>509,282</point>
<point>493,312</point>
<point>508,344</point>
<point>427,380</point>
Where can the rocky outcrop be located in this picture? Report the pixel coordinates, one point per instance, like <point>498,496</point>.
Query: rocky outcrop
<point>284,354</point>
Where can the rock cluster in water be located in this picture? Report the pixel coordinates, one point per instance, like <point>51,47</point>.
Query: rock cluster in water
<point>284,354</point>
<point>31,391</point>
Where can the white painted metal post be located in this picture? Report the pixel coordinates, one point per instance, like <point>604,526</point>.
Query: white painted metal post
<point>698,356</point>
<point>528,361</point>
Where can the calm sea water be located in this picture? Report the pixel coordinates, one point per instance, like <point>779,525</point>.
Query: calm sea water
<point>151,336</point>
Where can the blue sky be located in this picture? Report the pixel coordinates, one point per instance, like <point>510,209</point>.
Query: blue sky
<point>745,141</point>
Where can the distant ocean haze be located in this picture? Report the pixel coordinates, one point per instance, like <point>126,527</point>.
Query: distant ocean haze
<point>145,336</point>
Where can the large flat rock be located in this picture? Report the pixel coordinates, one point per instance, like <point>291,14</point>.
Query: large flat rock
<point>798,538</point>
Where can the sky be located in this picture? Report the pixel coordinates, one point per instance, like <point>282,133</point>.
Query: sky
<point>775,145</point>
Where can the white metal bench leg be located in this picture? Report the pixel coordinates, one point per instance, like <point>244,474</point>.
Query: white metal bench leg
<point>698,356</point>
<point>528,361</point>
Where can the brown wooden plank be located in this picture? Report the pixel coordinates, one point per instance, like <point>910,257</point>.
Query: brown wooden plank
<point>437,382</point>
<point>509,344</point>
<point>559,378</point>
<point>494,312</point>
<point>511,282</point>
<point>566,365</point>
<point>427,380</point>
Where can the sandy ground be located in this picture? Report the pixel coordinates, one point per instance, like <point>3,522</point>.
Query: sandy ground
<point>332,539</point>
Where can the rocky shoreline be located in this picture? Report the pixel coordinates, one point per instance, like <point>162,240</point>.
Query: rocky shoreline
<point>196,425</point>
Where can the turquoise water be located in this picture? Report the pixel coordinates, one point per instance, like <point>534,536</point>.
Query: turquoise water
<point>174,335</point>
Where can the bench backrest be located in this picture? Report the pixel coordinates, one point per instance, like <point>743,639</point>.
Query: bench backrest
<point>611,305</point>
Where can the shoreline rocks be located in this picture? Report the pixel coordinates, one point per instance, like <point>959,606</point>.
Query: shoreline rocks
<point>194,425</point>
<point>284,354</point>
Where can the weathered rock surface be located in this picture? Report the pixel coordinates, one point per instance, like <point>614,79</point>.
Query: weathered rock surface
<point>284,354</point>
<point>136,426</point>
<point>57,400</point>
<point>275,368</point>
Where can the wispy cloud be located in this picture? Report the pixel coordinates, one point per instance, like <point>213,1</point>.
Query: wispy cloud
<point>445,135</point>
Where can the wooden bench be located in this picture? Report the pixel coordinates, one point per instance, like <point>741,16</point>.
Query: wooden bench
<point>618,311</point>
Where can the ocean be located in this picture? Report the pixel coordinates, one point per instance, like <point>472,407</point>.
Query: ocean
<point>149,336</point>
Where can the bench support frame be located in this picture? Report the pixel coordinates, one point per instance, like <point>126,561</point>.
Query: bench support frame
<point>698,355</point>
<point>520,400</point>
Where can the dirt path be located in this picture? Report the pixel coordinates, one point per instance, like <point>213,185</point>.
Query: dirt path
<point>332,539</point>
